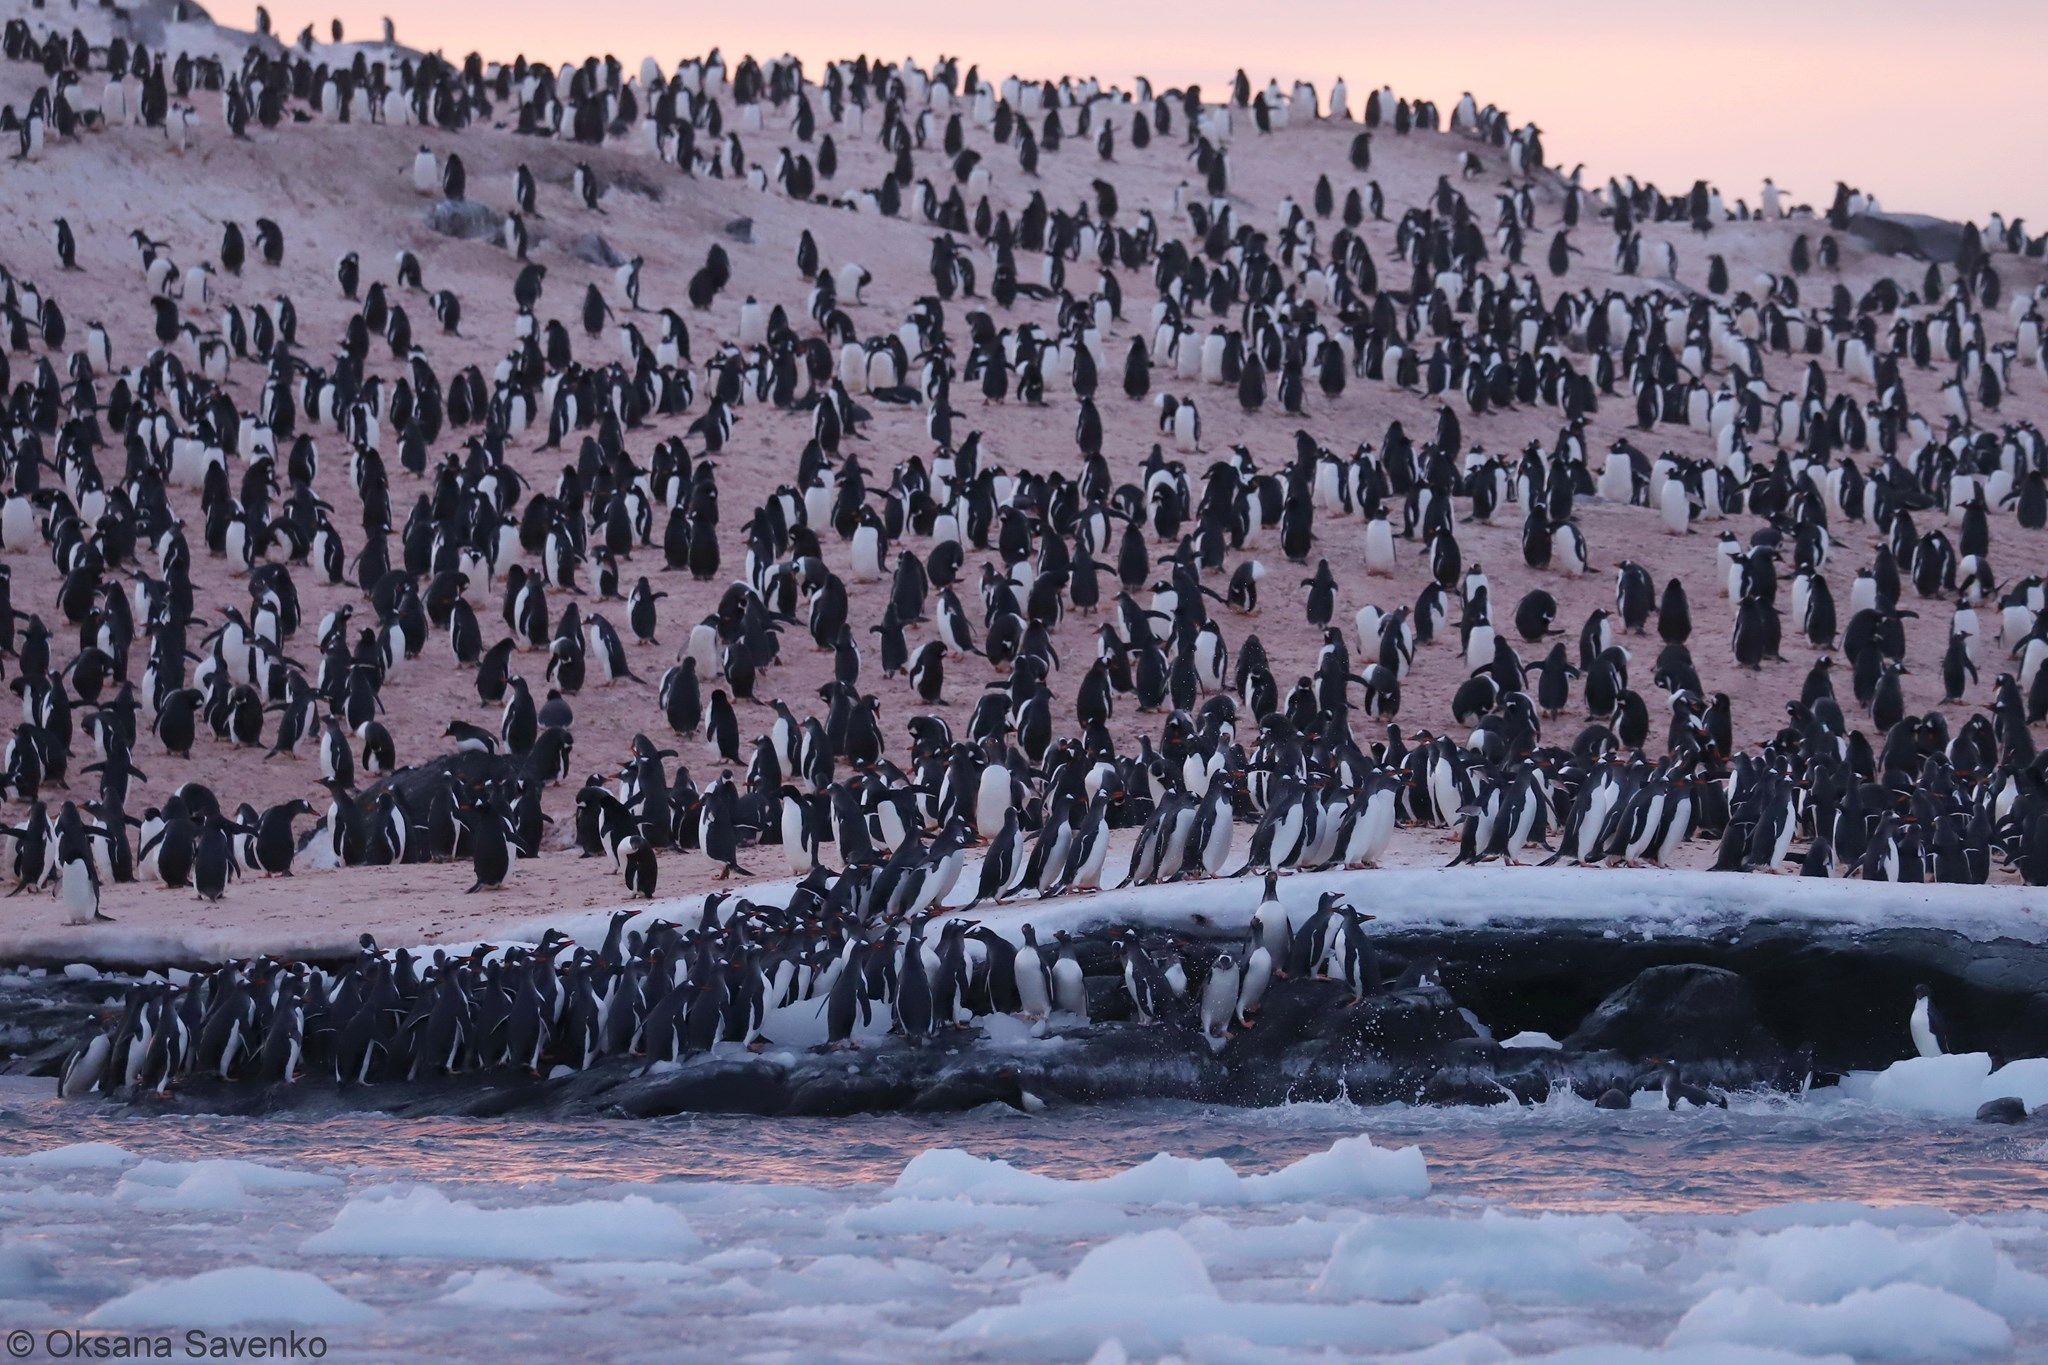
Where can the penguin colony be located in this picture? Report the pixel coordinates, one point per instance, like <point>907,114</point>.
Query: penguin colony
<point>211,571</point>
<point>675,991</point>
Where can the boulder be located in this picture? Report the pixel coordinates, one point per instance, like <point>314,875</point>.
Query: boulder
<point>2007,1109</point>
<point>466,219</point>
<point>592,249</point>
<point>1910,234</point>
<point>1686,1012</point>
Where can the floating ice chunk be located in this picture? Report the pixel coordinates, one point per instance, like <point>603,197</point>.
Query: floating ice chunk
<point>741,1259</point>
<point>1550,1256</point>
<point>1897,1321</point>
<point>2026,1080</point>
<point>1069,1221</point>
<point>1824,1264</point>
<point>425,1222</point>
<point>212,1190</point>
<point>238,1296</point>
<point>497,1288</point>
<point>76,1156</point>
<point>633,1272</point>
<point>1151,1292</point>
<point>81,971</point>
<point>1352,1167</point>
<point>1951,1086</point>
<point>26,1272</point>
<point>252,1176</point>
<point>1530,1038</point>
<point>1835,1212</point>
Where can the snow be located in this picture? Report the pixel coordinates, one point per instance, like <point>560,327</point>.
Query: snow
<point>250,1295</point>
<point>1899,1321</point>
<point>1352,1166</point>
<point>424,1222</point>
<point>1951,1086</point>
<point>1641,902</point>
<point>1551,1256</point>
<point>1824,1264</point>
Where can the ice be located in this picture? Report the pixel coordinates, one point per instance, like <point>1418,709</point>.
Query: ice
<point>1894,1322</point>
<point>497,1288</point>
<point>1550,1256</point>
<point>81,971</point>
<point>77,1156</point>
<point>962,1213</point>
<point>240,1296</point>
<point>1823,1264</point>
<point>425,1222</point>
<point>213,1190</point>
<point>1352,1166</point>
<point>1530,1038</point>
<point>1153,1293</point>
<point>2026,1080</point>
<point>25,1271</point>
<point>1951,1086</point>
<point>252,1175</point>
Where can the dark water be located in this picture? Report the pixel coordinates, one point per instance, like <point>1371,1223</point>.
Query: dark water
<point>1564,1155</point>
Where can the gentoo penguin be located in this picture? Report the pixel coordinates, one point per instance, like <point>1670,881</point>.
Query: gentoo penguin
<point>1034,977</point>
<point>1219,1001</point>
<point>78,885</point>
<point>1676,1088</point>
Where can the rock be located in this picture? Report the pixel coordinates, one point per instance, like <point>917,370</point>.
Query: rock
<point>466,219</point>
<point>1910,234</point>
<point>2005,1110</point>
<point>592,249</point>
<point>1616,1098</point>
<point>1686,1012</point>
<point>740,230</point>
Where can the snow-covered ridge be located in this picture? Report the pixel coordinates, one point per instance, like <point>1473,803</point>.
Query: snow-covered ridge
<point>1651,901</point>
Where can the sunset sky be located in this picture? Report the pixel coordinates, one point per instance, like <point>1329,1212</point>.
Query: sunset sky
<point>1934,108</point>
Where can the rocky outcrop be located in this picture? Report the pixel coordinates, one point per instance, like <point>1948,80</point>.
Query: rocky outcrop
<point>466,219</point>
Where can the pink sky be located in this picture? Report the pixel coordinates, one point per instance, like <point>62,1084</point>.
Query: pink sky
<point>1933,108</point>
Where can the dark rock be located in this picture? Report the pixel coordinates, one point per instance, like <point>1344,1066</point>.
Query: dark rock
<point>1686,1012</point>
<point>1616,1098</point>
<point>2007,1109</point>
<point>1910,234</point>
<point>740,230</point>
<point>466,219</point>
<point>592,249</point>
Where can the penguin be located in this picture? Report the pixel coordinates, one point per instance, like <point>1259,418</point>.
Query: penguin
<point>1928,1029</point>
<point>1220,995</point>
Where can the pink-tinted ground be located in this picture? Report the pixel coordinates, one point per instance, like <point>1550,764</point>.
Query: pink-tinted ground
<point>338,188</point>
